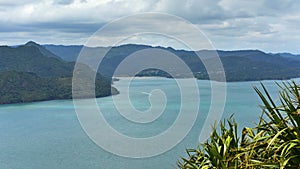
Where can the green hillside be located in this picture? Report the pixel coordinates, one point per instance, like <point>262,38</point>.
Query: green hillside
<point>20,87</point>
<point>32,73</point>
<point>31,59</point>
<point>239,65</point>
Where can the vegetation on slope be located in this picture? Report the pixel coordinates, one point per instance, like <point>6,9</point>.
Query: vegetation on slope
<point>19,87</point>
<point>30,59</point>
<point>240,65</point>
<point>32,73</point>
<point>273,143</point>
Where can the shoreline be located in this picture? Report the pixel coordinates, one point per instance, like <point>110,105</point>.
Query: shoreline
<point>234,81</point>
<point>150,78</point>
<point>67,99</point>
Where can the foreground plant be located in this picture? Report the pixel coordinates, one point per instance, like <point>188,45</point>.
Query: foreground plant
<point>273,143</point>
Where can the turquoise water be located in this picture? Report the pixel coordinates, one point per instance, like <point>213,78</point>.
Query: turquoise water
<point>47,135</point>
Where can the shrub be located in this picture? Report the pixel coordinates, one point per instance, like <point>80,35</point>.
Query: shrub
<point>273,143</point>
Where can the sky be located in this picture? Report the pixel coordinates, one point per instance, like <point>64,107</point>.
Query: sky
<point>268,25</point>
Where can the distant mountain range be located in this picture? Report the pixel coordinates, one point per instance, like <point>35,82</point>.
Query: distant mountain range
<point>241,65</point>
<point>34,72</point>
<point>30,72</point>
<point>289,55</point>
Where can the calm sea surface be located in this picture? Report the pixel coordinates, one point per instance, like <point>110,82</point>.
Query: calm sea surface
<point>48,135</point>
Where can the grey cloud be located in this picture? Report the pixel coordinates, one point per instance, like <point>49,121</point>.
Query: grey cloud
<point>69,27</point>
<point>234,30</point>
<point>63,2</point>
<point>227,22</point>
<point>80,28</point>
<point>6,27</point>
<point>280,5</point>
<point>196,11</point>
<point>14,3</point>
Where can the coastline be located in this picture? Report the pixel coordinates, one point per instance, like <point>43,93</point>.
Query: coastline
<point>44,100</point>
<point>120,78</point>
<point>233,81</point>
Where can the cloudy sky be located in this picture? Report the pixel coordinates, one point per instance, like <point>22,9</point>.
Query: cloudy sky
<point>269,25</point>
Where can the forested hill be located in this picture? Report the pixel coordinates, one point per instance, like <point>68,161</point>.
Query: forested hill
<point>20,87</point>
<point>32,73</point>
<point>239,65</point>
<point>29,58</point>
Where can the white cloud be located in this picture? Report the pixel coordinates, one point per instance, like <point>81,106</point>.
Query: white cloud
<point>229,23</point>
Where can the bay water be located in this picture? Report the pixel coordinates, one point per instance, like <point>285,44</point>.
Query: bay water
<point>48,135</point>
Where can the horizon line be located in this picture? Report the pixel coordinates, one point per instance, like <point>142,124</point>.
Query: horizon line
<point>154,46</point>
